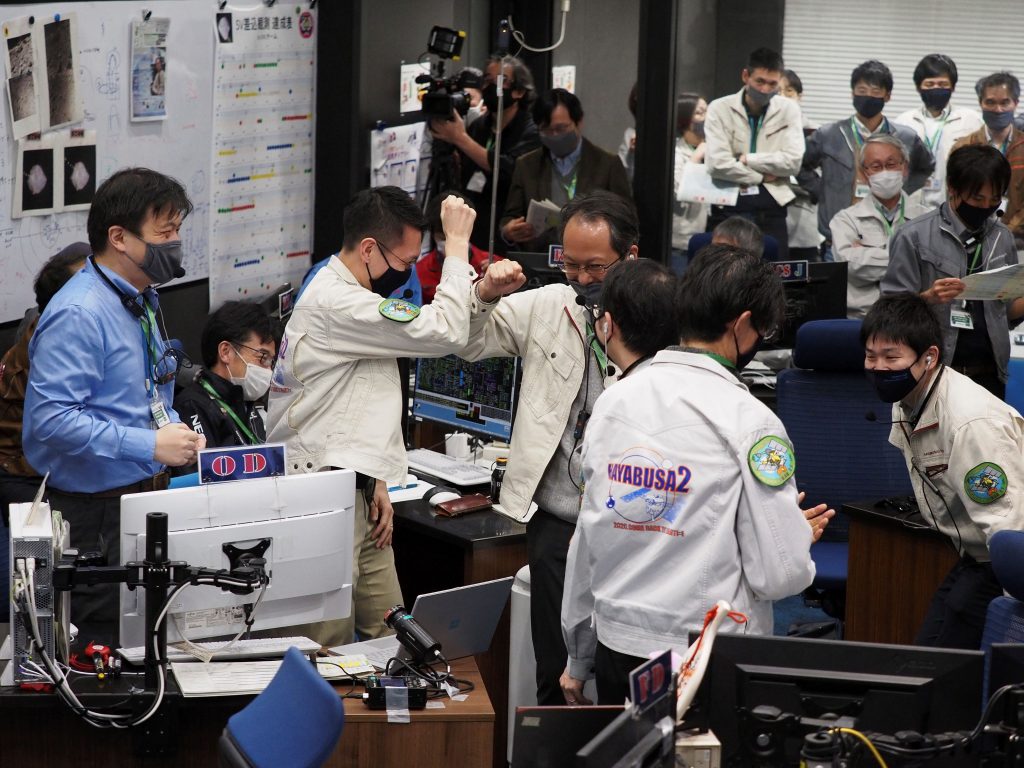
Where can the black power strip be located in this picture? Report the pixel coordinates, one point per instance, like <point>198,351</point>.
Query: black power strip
<point>376,691</point>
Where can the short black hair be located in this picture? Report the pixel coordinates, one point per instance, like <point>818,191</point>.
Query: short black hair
<point>640,294</point>
<point>57,271</point>
<point>721,284</point>
<point>872,72</point>
<point>522,77</point>
<point>997,79</point>
<point>686,105</point>
<point>935,65</point>
<point>433,212</point>
<point>547,101</point>
<point>765,58</point>
<point>794,80</point>
<point>128,197</point>
<point>382,213</point>
<point>614,210</point>
<point>743,232</point>
<point>470,77</point>
<point>904,318</point>
<point>970,167</point>
<point>234,321</point>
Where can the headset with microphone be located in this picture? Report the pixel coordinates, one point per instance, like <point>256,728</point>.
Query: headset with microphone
<point>593,314</point>
<point>131,303</point>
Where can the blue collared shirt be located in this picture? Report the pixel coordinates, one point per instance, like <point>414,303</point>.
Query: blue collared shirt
<point>87,412</point>
<point>564,165</point>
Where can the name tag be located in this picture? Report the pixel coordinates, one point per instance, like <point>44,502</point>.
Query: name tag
<point>933,184</point>
<point>961,318</point>
<point>159,412</point>
<point>748,191</point>
<point>476,182</point>
<point>555,256</point>
<point>861,191</point>
<point>219,465</point>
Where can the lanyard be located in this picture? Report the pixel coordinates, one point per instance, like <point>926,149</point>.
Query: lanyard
<point>974,261</point>
<point>754,130</point>
<point>570,188</point>
<point>148,325</point>
<point>229,411</point>
<point>1006,143</point>
<point>713,355</point>
<point>602,358</point>
<point>857,134</point>
<point>933,142</point>
<point>900,218</point>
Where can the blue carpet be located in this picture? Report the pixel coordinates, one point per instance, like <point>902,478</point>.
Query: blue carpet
<point>793,610</point>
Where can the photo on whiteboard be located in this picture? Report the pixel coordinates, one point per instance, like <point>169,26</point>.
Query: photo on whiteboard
<point>37,181</point>
<point>149,69</point>
<point>63,102</point>
<point>79,175</point>
<point>22,90</point>
<point>225,28</point>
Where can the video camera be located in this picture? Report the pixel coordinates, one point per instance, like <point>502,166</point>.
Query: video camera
<point>445,95</point>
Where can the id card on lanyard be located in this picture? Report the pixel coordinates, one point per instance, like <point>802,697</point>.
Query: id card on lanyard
<point>157,409</point>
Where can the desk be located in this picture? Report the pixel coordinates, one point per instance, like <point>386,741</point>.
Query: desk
<point>37,729</point>
<point>896,563</point>
<point>433,553</point>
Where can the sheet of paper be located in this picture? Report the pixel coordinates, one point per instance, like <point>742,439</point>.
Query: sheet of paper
<point>377,652</point>
<point>149,69</point>
<point>223,678</point>
<point>998,284</point>
<point>395,156</point>
<point>543,215</point>
<point>698,186</point>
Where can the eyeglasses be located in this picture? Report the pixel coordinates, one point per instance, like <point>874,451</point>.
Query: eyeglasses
<point>892,165</point>
<point>594,270</point>
<point>171,361</point>
<point>263,358</point>
<point>557,130</point>
<point>399,259</point>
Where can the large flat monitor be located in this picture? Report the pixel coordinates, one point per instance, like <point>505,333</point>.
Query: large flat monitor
<point>822,296</point>
<point>476,397</point>
<point>304,522</point>
<point>880,688</point>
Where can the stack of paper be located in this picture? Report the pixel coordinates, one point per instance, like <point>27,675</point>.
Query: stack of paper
<point>224,678</point>
<point>543,215</point>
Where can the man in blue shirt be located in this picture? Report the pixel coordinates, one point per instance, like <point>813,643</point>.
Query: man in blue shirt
<point>98,413</point>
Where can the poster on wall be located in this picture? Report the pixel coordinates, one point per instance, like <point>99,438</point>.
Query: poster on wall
<point>22,89</point>
<point>149,69</point>
<point>564,77</point>
<point>56,173</point>
<point>395,156</point>
<point>60,100</point>
<point>77,154</point>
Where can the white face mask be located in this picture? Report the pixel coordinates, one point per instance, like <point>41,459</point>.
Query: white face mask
<point>885,185</point>
<point>256,381</point>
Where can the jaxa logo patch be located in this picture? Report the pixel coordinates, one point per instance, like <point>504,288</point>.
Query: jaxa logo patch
<point>772,460</point>
<point>399,310</point>
<point>986,483</point>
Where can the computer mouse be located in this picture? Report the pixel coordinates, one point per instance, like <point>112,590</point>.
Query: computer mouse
<point>440,494</point>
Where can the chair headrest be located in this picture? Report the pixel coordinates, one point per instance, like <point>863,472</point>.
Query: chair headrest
<point>829,345</point>
<point>1007,551</point>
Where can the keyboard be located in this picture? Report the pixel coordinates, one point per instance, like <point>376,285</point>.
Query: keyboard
<point>446,468</point>
<point>241,649</point>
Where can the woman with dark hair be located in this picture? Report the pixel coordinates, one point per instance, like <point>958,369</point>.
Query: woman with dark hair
<point>687,218</point>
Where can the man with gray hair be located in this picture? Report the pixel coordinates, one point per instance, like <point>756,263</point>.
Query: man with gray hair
<point>861,233</point>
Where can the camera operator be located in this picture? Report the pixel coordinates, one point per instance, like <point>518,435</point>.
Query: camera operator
<point>475,144</point>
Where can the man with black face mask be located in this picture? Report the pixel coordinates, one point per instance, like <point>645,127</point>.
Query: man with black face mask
<point>964,450</point>
<point>98,413</point>
<point>931,254</point>
<point>335,396</point>
<point>833,149</point>
<point>476,143</point>
<point>566,166</point>
<point>999,96</point>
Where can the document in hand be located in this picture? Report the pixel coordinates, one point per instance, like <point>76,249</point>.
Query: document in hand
<point>998,284</point>
<point>543,215</point>
<point>698,186</point>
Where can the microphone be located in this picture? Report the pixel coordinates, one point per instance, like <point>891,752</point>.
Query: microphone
<point>873,417</point>
<point>580,300</point>
<point>179,271</point>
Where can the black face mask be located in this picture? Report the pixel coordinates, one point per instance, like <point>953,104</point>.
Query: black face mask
<point>972,216</point>
<point>868,106</point>
<point>591,295</point>
<point>490,97</point>
<point>936,98</point>
<point>743,358</point>
<point>387,283</point>
<point>893,386</point>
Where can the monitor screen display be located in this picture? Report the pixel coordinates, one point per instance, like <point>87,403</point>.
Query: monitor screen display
<point>476,397</point>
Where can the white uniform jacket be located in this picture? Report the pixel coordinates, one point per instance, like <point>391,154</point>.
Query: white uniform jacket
<point>939,136</point>
<point>779,149</point>
<point>966,462</point>
<point>335,398</point>
<point>547,328</point>
<point>860,236</point>
<point>688,499</point>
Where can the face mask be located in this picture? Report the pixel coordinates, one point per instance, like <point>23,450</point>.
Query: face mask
<point>936,98</point>
<point>743,358</point>
<point>697,128</point>
<point>590,293</point>
<point>162,262</point>
<point>972,216</point>
<point>473,113</point>
<point>439,246</point>
<point>490,97</point>
<point>893,386</point>
<point>390,281</point>
<point>561,145</point>
<point>758,99</point>
<point>256,381</point>
<point>868,106</point>
<point>996,121</point>
<point>886,184</point>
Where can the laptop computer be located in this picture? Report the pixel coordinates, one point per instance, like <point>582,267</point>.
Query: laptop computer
<point>462,620</point>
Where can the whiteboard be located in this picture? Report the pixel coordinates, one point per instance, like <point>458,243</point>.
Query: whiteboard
<point>178,146</point>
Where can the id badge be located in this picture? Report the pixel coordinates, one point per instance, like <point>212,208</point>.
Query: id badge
<point>159,411</point>
<point>750,191</point>
<point>861,191</point>
<point>961,318</point>
<point>476,182</point>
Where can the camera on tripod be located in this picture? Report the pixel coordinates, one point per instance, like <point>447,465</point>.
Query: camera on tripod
<point>446,95</point>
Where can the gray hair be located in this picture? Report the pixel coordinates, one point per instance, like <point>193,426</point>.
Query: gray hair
<point>889,140</point>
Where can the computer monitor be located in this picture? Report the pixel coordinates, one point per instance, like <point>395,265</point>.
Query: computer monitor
<point>475,397</point>
<point>881,688</point>
<point>647,741</point>
<point>822,296</point>
<point>550,737</point>
<point>307,522</point>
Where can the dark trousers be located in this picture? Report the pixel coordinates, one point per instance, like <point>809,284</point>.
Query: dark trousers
<point>547,545</point>
<point>95,527</point>
<point>763,211</point>
<point>956,616</point>
<point>611,670</point>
